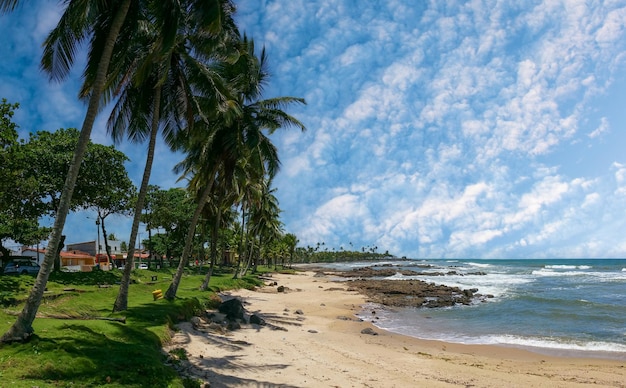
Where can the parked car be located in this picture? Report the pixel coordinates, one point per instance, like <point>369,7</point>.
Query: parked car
<point>14,268</point>
<point>143,266</point>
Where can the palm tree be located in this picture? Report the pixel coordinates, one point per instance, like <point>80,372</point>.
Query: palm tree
<point>233,135</point>
<point>218,213</point>
<point>266,225</point>
<point>101,21</point>
<point>8,5</point>
<point>169,63</point>
<point>291,240</point>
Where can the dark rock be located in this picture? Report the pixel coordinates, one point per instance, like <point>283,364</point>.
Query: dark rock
<point>299,312</point>
<point>255,319</point>
<point>233,325</point>
<point>413,293</point>
<point>233,308</point>
<point>281,289</point>
<point>312,331</point>
<point>368,331</point>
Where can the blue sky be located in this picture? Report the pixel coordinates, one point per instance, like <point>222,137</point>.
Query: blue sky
<point>450,129</point>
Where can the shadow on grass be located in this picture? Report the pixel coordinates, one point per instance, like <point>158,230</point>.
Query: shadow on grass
<point>85,356</point>
<point>97,352</point>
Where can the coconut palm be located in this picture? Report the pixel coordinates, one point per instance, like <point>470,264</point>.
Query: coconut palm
<point>8,5</point>
<point>234,135</point>
<point>168,65</point>
<point>100,21</point>
<point>218,213</point>
<point>264,217</point>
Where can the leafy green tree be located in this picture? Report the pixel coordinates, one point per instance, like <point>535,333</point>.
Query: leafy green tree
<point>18,220</point>
<point>100,21</point>
<point>115,192</point>
<point>171,211</point>
<point>103,183</point>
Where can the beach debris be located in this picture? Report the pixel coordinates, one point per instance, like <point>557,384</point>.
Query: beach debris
<point>299,312</point>
<point>281,289</point>
<point>312,331</point>
<point>196,322</point>
<point>369,331</point>
<point>256,320</point>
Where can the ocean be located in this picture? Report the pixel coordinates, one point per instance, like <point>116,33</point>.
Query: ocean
<point>562,307</point>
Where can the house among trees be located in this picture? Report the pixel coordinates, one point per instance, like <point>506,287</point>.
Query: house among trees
<point>99,252</point>
<point>74,261</point>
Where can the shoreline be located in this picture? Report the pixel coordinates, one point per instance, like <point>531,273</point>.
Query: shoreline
<point>317,341</point>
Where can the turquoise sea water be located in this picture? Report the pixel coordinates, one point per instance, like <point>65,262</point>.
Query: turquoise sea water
<point>567,307</point>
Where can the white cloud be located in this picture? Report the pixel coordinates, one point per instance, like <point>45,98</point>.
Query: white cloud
<point>601,129</point>
<point>433,130</point>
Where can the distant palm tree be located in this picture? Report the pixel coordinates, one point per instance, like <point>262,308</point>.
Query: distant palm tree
<point>101,21</point>
<point>265,218</point>
<point>232,136</point>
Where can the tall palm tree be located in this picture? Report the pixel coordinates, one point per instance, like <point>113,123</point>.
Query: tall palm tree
<point>101,21</point>
<point>265,218</point>
<point>232,135</point>
<point>8,5</point>
<point>169,64</point>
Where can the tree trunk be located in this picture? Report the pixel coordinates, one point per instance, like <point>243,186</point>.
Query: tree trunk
<point>57,256</point>
<point>213,257</point>
<point>173,288</point>
<point>256,262</point>
<point>121,302</point>
<point>107,248</point>
<point>4,252</point>
<point>22,329</point>
<point>242,243</point>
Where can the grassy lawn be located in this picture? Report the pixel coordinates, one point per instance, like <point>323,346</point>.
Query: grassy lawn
<point>72,347</point>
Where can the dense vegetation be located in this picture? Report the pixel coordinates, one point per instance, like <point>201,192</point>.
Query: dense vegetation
<point>179,69</point>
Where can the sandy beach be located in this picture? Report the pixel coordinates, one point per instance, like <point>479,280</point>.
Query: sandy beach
<point>313,339</point>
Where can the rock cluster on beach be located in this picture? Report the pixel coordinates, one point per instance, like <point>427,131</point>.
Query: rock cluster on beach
<point>407,293</point>
<point>413,293</point>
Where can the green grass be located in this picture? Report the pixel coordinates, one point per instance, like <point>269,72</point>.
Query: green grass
<point>80,351</point>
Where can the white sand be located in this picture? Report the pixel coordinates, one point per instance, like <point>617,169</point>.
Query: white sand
<point>321,350</point>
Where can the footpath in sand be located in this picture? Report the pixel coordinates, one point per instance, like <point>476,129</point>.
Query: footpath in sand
<point>313,339</point>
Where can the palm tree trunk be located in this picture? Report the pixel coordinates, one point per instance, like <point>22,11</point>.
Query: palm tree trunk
<point>248,261</point>
<point>256,262</point>
<point>173,288</point>
<point>22,329</point>
<point>121,302</point>
<point>213,258</point>
<point>242,243</point>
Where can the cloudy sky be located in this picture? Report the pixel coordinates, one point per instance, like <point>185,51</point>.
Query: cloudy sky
<point>476,129</point>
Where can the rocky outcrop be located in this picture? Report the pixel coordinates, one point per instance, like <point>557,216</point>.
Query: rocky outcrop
<point>386,271</point>
<point>414,293</point>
